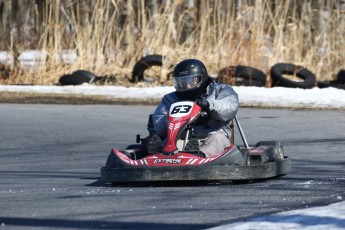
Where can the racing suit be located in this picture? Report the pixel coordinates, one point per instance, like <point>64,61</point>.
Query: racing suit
<point>223,102</point>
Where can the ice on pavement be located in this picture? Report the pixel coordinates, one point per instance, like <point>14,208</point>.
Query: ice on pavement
<point>279,97</point>
<point>317,218</point>
<point>324,217</point>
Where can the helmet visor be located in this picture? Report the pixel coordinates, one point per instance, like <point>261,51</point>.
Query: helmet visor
<point>187,82</point>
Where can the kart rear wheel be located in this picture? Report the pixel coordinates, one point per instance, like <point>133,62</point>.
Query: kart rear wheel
<point>278,153</point>
<point>134,146</point>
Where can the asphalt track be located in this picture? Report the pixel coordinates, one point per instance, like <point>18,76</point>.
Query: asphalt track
<point>51,156</point>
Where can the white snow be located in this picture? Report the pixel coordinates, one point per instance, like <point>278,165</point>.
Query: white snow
<point>324,217</point>
<point>278,97</point>
<point>6,58</point>
<point>33,58</point>
<point>317,218</point>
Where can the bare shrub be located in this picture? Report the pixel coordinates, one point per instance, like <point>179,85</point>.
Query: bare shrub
<point>110,36</point>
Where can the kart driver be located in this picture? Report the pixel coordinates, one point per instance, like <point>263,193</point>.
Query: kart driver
<point>219,100</point>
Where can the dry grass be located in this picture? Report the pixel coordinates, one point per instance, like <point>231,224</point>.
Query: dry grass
<point>110,36</point>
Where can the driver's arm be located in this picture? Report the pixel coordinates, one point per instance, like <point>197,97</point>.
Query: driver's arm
<point>159,117</point>
<point>223,102</point>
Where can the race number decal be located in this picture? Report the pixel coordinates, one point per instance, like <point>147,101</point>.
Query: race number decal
<point>180,109</point>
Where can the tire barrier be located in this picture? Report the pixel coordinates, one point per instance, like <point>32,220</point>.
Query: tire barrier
<point>334,84</point>
<point>242,76</point>
<point>278,70</point>
<point>143,64</point>
<point>341,76</point>
<point>4,72</point>
<point>339,83</point>
<point>77,78</point>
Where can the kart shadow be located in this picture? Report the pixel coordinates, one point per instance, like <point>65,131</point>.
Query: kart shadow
<point>200,183</point>
<point>27,222</point>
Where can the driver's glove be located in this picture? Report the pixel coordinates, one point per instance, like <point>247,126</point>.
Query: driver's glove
<point>204,104</point>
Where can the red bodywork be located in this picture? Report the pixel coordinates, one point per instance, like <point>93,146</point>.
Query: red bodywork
<point>180,115</point>
<point>179,159</point>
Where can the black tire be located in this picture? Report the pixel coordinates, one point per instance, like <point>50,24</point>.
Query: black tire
<point>341,76</point>
<point>334,84</point>
<point>277,71</point>
<point>143,64</point>
<point>134,146</point>
<point>242,76</point>
<point>77,78</point>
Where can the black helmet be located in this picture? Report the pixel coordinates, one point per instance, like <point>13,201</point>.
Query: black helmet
<point>190,79</point>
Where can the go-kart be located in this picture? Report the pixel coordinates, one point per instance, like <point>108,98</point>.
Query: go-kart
<point>264,160</point>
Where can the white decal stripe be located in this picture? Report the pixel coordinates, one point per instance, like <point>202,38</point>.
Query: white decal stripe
<point>193,161</point>
<point>142,162</point>
<point>188,162</point>
<point>207,160</point>
<point>202,161</point>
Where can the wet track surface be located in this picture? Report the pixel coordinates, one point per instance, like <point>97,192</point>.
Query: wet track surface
<point>51,156</point>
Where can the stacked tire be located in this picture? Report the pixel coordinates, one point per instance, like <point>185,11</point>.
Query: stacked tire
<point>143,64</point>
<point>306,78</point>
<point>339,83</point>
<point>77,78</point>
<point>282,75</point>
<point>242,76</point>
